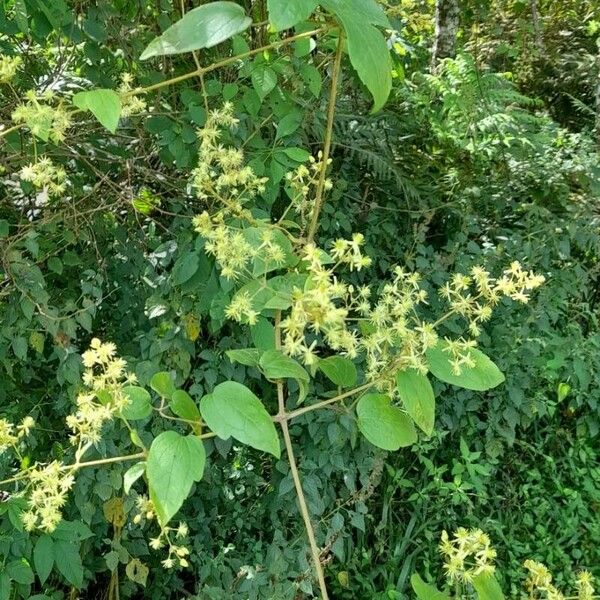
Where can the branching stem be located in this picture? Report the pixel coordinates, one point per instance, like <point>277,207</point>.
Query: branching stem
<point>314,224</point>
<point>201,71</point>
<point>310,532</point>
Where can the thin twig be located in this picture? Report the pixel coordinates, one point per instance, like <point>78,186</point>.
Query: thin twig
<point>314,224</point>
<point>314,548</point>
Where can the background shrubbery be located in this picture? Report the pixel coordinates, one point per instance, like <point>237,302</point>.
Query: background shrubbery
<point>491,158</point>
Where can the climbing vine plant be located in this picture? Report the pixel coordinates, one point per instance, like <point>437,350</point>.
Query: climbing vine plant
<point>295,295</point>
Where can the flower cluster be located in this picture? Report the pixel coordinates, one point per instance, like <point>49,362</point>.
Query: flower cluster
<point>397,337</point>
<point>388,330</point>
<point>221,174</point>
<point>321,308</point>
<point>539,583</point>
<point>227,244</point>
<point>177,551</point>
<point>50,485</point>
<point>231,246</point>
<point>169,537</point>
<point>44,120</point>
<point>474,296</point>
<point>8,67</point>
<point>130,103</point>
<point>240,309</point>
<point>105,376</point>
<point>45,175</point>
<point>145,509</point>
<point>540,580</point>
<point>326,306</point>
<point>584,585</point>
<point>302,184</point>
<point>10,435</point>
<point>467,554</point>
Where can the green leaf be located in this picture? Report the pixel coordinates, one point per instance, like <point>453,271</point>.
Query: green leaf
<point>232,410</point>
<point>68,562</point>
<point>202,27</point>
<point>5,586</point>
<point>21,16</point>
<point>4,228</point>
<point>367,47</point>
<point>140,403</point>
<point>424,591</point>
<point>384,425</point>
<point>185,268</point>
<point>487,587</point>
<point>298,154</point>
<point>264,80</point>
<point>370,57</point>
<point>57,12</point>
<point>263,334</point>
<point>162,384</point>
<point>43,557</point>
<point>72,531</point>
<point>339,370</point>
<point>417,396</point>
<point>360,11</point>
<point>16,506</point>
<point>132,475</point>
<point>20,571</point>
<point>284,14</point>
<point>276,365</point>
<point>483,376</point>
<point>183,406</point>
<point>244,356</point>
<point>104,104</point>
<point>174,463</point>
<point>288,124</point>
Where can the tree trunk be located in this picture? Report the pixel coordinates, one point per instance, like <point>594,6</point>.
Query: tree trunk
<point>447,20</point>
<point>598,94</point>
<point>537,29</point>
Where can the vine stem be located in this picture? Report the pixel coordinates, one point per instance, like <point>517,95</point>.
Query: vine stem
<point>4,132</point>
<point>200,72</point>
<point>314,224</point>
<point>310,532</point>
<point>80,465</point>
<point>104,461</point>
<point>323,403</point>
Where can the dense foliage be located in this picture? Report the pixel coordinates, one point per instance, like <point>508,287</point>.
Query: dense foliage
<point>210,222</point>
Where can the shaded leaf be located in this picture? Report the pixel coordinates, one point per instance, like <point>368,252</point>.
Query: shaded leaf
<point>68,562</point>
<point>185,268</point>
<point>43,557</point>
<point>264,80</point>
